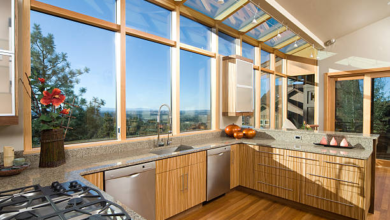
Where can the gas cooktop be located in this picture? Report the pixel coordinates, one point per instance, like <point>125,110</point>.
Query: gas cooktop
<point>70,200</point>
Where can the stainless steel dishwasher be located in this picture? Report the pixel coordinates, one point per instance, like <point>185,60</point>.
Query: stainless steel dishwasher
<point>218,172</point>
<point>135,187</point>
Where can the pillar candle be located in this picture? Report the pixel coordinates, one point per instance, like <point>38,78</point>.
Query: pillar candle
<point>9,156</point>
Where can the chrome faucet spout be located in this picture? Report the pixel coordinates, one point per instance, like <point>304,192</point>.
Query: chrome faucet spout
<point>161,143</point>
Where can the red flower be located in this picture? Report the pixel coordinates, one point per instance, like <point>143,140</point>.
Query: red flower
<point>65,111</point>
<point>42,80</point>
<point>55,98</point>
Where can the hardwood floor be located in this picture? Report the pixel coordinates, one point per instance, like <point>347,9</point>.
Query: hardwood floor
<point>238,205</point>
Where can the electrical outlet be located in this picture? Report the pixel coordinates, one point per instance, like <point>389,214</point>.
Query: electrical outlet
<point>298,137</point>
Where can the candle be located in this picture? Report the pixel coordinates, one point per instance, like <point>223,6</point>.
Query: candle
<point>9,156</point>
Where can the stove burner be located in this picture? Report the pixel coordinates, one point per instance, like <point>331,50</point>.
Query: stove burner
<point>75,201</point>
<point>19,200</point>
<point>25,215</point>
<point>96,217</point>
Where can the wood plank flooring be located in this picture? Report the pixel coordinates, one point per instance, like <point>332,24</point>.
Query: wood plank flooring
<point>238,205</point>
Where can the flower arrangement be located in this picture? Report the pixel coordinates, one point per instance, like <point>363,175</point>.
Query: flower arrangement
<point>49,104</point>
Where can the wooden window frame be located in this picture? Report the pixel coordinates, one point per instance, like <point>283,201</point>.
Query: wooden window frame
<point>178,9</point>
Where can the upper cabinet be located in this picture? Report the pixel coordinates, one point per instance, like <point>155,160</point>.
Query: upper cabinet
<point>8,112</point>
<point>237,86</point>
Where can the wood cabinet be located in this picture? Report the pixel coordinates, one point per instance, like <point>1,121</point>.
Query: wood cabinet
<point>247,161</point>
<point>96,179</point>
<point>234,166</point>
<point>180,184</point>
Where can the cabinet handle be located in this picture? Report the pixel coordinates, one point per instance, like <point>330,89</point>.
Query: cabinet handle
<point>269,152</point>
<point>273,166</point>
<point>187,182</point>
<point>318,197</point>
<point>304,158</point>
<point>275,186</point>
<point>182,182</point>
<point>332,178</point>
<point>343,164</point>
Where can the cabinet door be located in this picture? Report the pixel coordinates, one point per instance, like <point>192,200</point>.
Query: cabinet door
<point>96,179</point>
<point>247,165</point>
<point>195,184</point>
<point>169,193</point>
<point>234,166</point>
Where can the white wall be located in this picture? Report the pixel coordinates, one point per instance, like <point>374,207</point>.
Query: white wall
<point>13,135</point>
<point>368,47</point>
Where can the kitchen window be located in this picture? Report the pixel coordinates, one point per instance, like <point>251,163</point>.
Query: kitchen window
<point>265,59</point>
<point>226,44</point>
<point>195,92</point>
<point>279,101</point>
<point>147,86</point>
<point>85,72</point>
<point>265,99</point>
<point>195,34</point>
<point>248,51</point>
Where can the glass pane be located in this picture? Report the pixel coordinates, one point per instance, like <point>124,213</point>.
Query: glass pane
<point>278,101</point>
<point>102,9</point>
<point>195,104</point>
<point>283,37</point>
<point>248,51</point>
<point>380,116</point>
<point>265,100</point>
<point>5,24</point>
<point>147,86</point>
<point>210,8</point>
<point>349,106</point>
<point>292,46</point>
<point>6,85</point>
<point>83,68</point>
<point>264,29</point>
<point>265,59</point>
<point>244,16</point>
<point>195,34</point>
<point>300,100</point>
<point>226,44</point>
<point>278,64</point>
<point>148,17</point>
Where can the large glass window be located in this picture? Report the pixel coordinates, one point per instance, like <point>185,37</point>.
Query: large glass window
<point>265,59</point>
<point>349,106</point>
<point>147,86</point>
<point>195,104</point>
<point>278,64</point>
<point>102,9</point>
<point>278,101</point>
<point>83,67</point>
<point>226,44</point>
<point>248,51</point>
<point>300,99</point>
<point>380,115</point>
<point>195,34</point>
<point>148,17</point>
<point>265,95</point>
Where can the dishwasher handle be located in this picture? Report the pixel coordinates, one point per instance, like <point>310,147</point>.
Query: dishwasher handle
<point>130,171</point>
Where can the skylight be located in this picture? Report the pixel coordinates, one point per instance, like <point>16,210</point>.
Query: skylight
<point>244,16</point>
<point>210,8</point>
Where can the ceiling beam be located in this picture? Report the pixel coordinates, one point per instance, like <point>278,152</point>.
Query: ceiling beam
<point>251,25</point>
<point>287,42</point>
<point>272,34</point>
<point>231,10</point>
<point>299,49</point>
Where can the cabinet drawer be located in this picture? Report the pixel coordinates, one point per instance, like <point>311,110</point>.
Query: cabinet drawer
<point>343,163</point>
<point>346,196</point>
<point>278,186</point>
<point>282,168</point>
<point>277,154</point>
<point>338,174</point>
<point>180,161</point>
<point>302,157</point>
<point>334,183</point>
<point>340,207</point>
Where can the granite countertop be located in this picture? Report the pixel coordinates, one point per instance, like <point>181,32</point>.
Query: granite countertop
<point>74,168</point>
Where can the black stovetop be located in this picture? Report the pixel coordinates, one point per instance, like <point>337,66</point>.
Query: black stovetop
<point>60,201</point>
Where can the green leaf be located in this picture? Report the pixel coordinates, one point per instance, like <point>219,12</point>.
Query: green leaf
<point>46,127</point>
<point>45,118</point>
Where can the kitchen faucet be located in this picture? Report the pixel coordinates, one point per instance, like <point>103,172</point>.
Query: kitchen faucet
<point>161,143</point>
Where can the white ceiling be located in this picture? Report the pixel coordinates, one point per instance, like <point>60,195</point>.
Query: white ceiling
<point>329,19</point>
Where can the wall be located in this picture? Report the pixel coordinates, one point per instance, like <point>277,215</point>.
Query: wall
<point>368,47</point>
<point>13,135</point>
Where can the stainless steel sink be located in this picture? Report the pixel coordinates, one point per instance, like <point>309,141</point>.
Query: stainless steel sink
<point>171,150</point>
